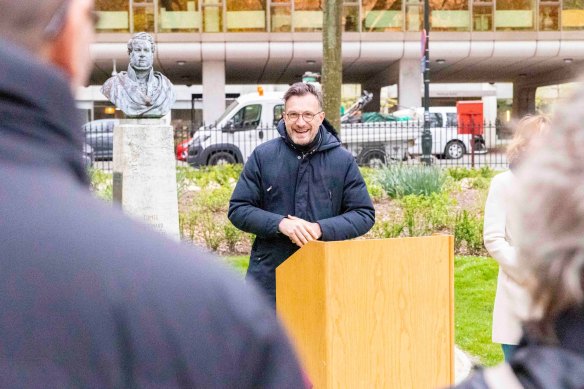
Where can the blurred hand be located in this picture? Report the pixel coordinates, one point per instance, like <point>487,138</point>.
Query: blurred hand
<point>299,230</point>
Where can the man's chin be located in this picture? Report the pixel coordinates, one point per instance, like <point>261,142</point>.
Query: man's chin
<point>141,67</point>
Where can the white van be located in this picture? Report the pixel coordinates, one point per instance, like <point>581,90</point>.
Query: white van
<point>447,142</point>
<point>251,120</point>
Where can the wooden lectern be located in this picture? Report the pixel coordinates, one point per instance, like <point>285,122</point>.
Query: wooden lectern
<point>372,313</point>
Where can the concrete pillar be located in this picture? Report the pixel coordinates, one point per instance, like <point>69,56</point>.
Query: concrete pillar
<point>213,90</point>
<point>523,100</point>
<point>409,87</point>
<point>490,116</point>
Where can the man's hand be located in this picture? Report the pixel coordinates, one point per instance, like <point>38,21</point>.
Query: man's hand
<point>299,231</point>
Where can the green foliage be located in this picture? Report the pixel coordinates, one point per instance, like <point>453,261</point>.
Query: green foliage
<point>203,177</point>
<point>480,183</point>
<point>214,200</point>
<point>402,180</point>
<point>101,184</point>
<point>239,263</point>
<point>232,236</point>
<point>387,229</point>
<point>458,173</point>
<point>475,283</point>
<point>188,223</point>
<point>213,232</point>
<point>468,229</point>
<point>424,215</point>
<point>373,187</point>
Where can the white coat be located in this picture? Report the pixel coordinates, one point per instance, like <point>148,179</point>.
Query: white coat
<point>512,301</point>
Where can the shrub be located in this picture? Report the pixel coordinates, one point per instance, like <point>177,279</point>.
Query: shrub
<point>387,229</point>
<point>214,200</point>
<point>213,231</point>
<point>402,180</point>
<point>373,187</point>
<point>424,215</point>
<point>458,173</point>
<point>232,236</point>
<point>469,229</point>
<point>188,223</point>
<point>101,184</point>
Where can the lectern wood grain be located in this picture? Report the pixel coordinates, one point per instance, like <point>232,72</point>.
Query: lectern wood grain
<point>371,313</point>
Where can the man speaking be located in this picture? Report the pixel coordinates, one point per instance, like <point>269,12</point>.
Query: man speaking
<point>298,188</point>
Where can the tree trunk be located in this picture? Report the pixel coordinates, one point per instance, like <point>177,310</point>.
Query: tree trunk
<point>332,65</point>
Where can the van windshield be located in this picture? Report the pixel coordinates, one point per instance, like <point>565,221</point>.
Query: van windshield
<point>226,113</point>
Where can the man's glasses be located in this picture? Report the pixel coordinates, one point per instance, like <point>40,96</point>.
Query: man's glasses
<point>307,116</point>
<point>57,22</point>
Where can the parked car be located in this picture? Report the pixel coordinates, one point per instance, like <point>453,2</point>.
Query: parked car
<point>447,139</point>
<point>99,134</point>
<point>182,149</point>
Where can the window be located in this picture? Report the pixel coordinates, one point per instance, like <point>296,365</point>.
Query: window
<point>248,117</point>
<point>514,15</point>
<point>482,15</point>
<point>382,15</point>
<point>113,15</point>
<point>435,119</point>
<point>451,119</point>
<point>572,15</point>
<point>278,113</point>
<point>449,15</point>
<point>246,15</point>
<point>179,16</point>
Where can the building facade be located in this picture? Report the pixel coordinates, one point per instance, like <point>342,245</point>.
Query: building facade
<point>215,43</point>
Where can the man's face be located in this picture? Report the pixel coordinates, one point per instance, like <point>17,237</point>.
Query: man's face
<point>302,131</point>
<point>141,57</point>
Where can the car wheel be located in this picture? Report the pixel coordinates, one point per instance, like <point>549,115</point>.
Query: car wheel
<point>222,158</point>
<point>374,159</point>
<point>454,150</point>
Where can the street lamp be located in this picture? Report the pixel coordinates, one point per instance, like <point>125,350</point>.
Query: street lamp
<point>426,134</point>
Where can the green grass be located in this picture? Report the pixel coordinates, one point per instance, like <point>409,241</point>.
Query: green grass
<point>239,263</point>
<point>475,281</point>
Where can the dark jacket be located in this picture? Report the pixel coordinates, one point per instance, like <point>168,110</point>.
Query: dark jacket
<point>324,186</point>
<point>541,366</point>
<point>90,298</point>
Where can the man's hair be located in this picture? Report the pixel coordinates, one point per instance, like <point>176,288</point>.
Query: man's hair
<point>24,22</point>
<point>141,36</point>
<point>528,128</point>
<point>549,212</point>
<point>303,89</point>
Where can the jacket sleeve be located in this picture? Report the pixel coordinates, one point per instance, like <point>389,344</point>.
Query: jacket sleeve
<point>245,205</point>
<point>358,214</point>
<point>495,230</point>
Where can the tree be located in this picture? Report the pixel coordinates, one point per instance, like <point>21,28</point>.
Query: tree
<point>332,62</point>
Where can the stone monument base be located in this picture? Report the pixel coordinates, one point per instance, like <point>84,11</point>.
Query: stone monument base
<point>145,173</point>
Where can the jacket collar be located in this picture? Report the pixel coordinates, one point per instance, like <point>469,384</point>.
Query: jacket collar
<point>40,124</point>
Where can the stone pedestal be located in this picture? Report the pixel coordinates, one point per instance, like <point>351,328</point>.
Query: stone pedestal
<point>145,173</point>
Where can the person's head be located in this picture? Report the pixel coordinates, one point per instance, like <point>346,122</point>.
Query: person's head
<point>56,31</point>
<point>527,129</point>
<point>141,49</point>
<point>549,214</point>
<point>303,112</point>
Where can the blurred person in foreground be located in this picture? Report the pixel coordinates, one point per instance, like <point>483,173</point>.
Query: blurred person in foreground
<point>512,298</point>
<point>548,213</point>
<point>89,298</point>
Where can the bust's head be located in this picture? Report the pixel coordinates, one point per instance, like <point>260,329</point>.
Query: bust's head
<point>141,51</point>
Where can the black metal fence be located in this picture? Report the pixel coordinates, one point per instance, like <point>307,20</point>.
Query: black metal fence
<point>372,144</point>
